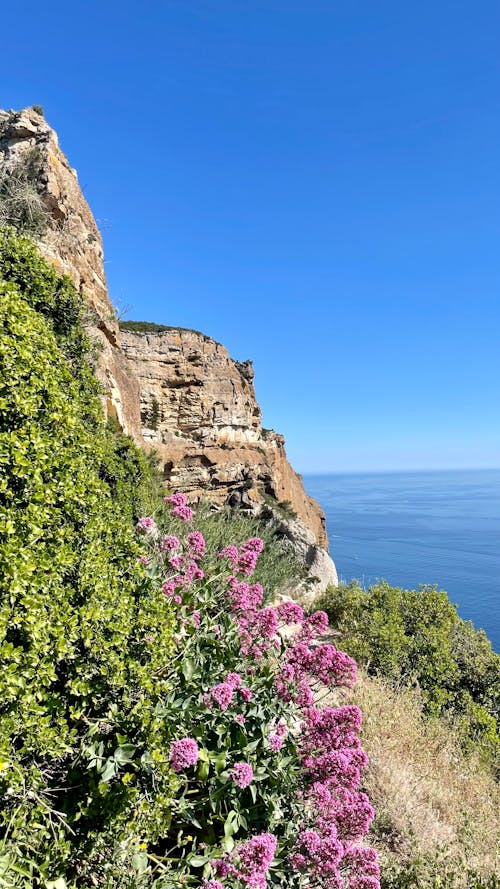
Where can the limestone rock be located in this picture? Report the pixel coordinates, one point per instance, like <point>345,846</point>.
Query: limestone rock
<point>304,545</point>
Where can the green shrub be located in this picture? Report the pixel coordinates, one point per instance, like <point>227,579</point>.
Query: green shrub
<point>76,678</point>
<point>417,637</point>
<point>38,109</point>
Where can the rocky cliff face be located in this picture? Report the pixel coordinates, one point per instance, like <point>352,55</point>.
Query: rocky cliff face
<point>177,391</point>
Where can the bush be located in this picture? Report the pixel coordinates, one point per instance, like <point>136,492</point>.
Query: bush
<point>75,674</point>
<point>417,637</point>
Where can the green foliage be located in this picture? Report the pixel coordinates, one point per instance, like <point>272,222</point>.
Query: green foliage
<point>277,569</point>
<point>152,327</point>
<point>38,109</point>
<point>78,683</point>
<point>417,637</point>
<point>154,415</point>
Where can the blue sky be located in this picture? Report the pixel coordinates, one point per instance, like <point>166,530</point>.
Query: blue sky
<point>315,184</point>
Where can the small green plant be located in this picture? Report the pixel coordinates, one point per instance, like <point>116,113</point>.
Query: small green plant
<point>154,414</point>
<point>38,109</point>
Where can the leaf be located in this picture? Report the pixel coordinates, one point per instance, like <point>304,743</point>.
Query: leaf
<point>124,754</point>
<point>140,862</point>
<point>109,771</point>
<point>188,667</point>
<point>203,771</point>
<point>220,762</point>
<point>198,860</point>
<point>228,844</point>
<point>231,823</point>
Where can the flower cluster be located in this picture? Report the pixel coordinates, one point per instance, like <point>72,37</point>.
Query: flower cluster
<point>242,774</point>
<point>146,525</point>
<point>183,753</point>
<point>244,560</point>
<point>266,665</point>
<point>249,862</point>
<point>180,509</point>
<point>223,692</point>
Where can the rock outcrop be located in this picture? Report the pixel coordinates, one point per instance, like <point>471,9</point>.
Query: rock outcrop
<point>175,391</point>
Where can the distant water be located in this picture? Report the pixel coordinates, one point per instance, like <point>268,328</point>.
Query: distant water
<point>421,527</point>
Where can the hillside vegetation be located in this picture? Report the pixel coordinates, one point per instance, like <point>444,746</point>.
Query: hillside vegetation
<point>416,638</point>
<point>158,725</point>
<point>438,808</point>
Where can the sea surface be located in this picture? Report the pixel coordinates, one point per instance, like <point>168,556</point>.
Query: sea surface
<point>419,527</point>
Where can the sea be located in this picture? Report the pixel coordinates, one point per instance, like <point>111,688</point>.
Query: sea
<point>414,528</point>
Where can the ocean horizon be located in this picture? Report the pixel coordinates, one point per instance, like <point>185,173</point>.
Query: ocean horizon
<point>419,527</point>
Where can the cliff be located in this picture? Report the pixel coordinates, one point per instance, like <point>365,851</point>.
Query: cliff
<point>175,391</point>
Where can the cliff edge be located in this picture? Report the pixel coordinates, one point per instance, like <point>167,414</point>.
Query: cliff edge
<point>175,391</point>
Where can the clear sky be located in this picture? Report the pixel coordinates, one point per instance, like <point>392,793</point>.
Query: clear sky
<point>314,183</point>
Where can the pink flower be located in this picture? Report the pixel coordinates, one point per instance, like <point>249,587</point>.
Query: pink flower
<point>229,552</point>
<point>290,613</point>
<point>143,560</point>
<point>246,562</point>
<point>168,588</point>
<point>176,499</point>
<point>254,545</point>
<point>243,596</point>
<point>146,525</point>
<point>253,860</point>
<point>222,694</point>
<point>196,618</point>
<point>211,884</point>
<point>182,512</point>
<point>240,718</point>
<point>246,694</point>
<point>242,774</point>
<point>196,544</point>
<point>183,753</point>
<point>276,738</point>
<point>169,542</point>
<point>233,679</point>
<point>316,624</point>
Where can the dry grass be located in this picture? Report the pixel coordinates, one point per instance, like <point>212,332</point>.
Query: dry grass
<point>432,801</point>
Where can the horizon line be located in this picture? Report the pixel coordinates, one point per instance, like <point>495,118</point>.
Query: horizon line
<point>398,471</point>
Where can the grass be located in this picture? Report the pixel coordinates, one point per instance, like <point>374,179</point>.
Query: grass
<point>438,810</point>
